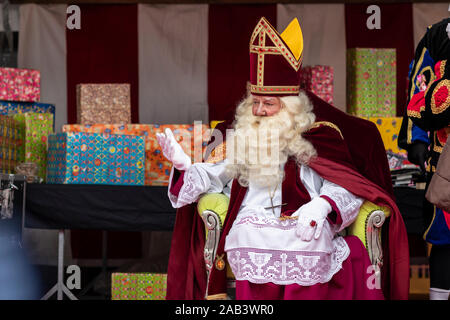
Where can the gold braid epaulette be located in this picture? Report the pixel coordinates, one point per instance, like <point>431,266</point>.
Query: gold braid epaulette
<point>328,124</point>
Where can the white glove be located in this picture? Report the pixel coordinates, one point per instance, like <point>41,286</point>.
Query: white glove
<point>311,217</point>
<point>172,150</point>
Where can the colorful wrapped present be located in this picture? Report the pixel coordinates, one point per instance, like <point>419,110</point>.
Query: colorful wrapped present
<point>9,108</point>
<point>20,84</point>
<point>371,82</point>
<point>389,128</point>
<point>90,158</point>
<point>157,168</point>
<point>138,286</point>
<point>319,80</point>
<point>192,139</point>
<point>36,128</point>
<point>103,103</point>
<point>11,144</point>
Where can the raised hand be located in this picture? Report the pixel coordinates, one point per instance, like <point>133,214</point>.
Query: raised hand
<point>172,150</point>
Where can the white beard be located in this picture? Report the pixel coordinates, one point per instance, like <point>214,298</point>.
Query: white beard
<point>262,146</point>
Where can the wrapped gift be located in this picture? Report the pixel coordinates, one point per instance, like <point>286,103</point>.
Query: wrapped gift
<point>157,168</point>
<point>36,128</point>
<point>103,103</point>
<point>20,84</point>
<point>389,128</point>
<point>90,158</point>
<point>192,139</point>
<point>319,80</point>
<point>138,286</point>
<point>11,143</point>
<point>371,82</point>
<point>10,108</point>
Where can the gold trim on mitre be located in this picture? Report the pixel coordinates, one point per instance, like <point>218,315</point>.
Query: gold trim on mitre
<point>282,90</point>
<point>289,44</point>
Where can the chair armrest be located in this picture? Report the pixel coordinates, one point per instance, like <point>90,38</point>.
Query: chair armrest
<point>367,227</point>
<point>213,208</point>
<point>216,202</point>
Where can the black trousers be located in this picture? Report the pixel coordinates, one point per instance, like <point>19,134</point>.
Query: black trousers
<point>440,267</point>
<point>439,262</point>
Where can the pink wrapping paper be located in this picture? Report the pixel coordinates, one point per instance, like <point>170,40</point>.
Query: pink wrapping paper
<point>20,84</point>
<point>319,80</point>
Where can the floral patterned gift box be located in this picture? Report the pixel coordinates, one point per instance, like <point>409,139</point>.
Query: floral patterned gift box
<point>157,168</point>
<point>103,103</point>
<point>91,158</point>
<point>192,139</point>
<point>11,144</point>
<point>20,84</point>
<point>35,127</point>
<point>10,108</point>
<point>371,82</point>
<point>138,286</point>
<point>318,80</point>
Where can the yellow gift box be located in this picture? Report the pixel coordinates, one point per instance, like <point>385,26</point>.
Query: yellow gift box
<point>389,128</point>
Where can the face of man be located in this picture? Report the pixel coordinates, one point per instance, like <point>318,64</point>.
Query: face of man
<point>266,132</point>
<point>265,106</point>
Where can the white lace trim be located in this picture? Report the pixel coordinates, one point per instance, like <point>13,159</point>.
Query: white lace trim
<point>262,248</point>
<point>194,184</point>
<point>347,203</point>
<point>288,267</point>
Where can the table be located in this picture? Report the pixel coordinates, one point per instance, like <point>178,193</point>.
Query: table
<point>98,207</point>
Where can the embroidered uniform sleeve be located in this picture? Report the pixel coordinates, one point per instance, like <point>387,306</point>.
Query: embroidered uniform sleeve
<point>199,179</point>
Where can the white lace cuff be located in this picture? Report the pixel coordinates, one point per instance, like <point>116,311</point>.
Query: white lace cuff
<point>195,183</point>
<point>347,203</point>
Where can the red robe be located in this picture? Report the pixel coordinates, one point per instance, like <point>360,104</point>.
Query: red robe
<point>358,166</point>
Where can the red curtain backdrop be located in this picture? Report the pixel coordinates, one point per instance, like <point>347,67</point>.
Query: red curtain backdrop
<point>230,28</point>
<point>396,32</point>
<point>104,50</point>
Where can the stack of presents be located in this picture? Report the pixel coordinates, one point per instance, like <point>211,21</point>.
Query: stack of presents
<point>25,123</point>
<point>371,94</point>
<point>102,148</point>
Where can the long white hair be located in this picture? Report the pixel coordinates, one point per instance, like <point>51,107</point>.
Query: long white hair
<point>285,138</point>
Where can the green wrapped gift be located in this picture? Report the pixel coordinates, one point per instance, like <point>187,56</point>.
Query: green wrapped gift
<point>10,144</point>
<point>138,286</point>
<point>36,128</point>
<point>371,82</point>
